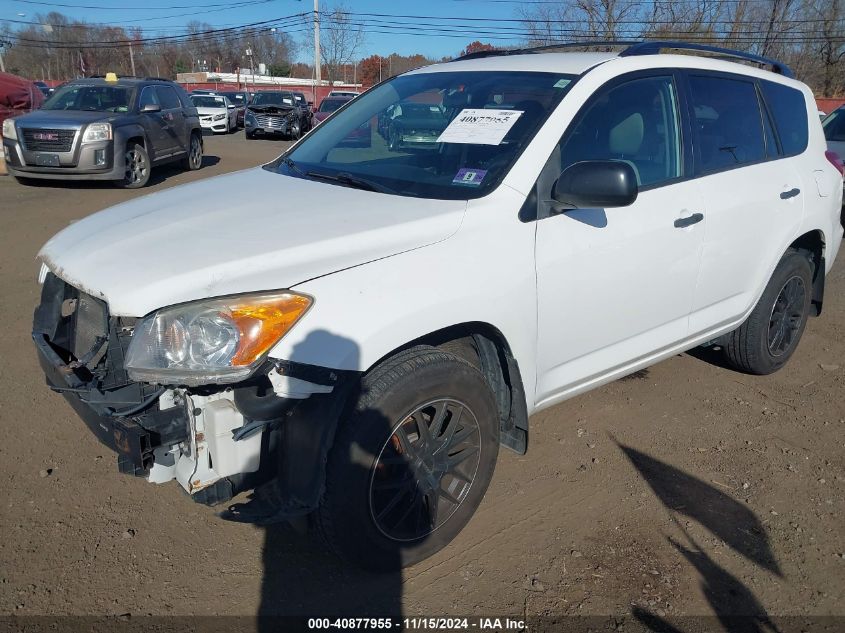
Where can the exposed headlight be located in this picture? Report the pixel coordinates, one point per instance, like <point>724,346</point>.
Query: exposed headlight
<point>9,130</point>
<point>219,117</point>
<point>97,132</point>
<point>213,341</point>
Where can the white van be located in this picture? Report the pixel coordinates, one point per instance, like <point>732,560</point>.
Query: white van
<point>353,329</point>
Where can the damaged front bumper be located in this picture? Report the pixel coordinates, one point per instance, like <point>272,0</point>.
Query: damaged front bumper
<point>215,441</point>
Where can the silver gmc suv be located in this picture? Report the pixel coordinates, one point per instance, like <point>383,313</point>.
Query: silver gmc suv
<point>105,129</point>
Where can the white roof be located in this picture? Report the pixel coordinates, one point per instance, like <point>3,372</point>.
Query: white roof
<point>576,63</point>
<point>567,63</point>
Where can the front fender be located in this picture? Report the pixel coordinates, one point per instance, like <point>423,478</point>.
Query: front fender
<point>483,273</point>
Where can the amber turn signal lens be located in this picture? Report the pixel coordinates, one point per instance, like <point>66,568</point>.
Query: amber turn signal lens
<point>263,322</point>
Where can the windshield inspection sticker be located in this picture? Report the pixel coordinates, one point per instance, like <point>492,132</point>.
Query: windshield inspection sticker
<point>471,177</point>
<point>479,126</point>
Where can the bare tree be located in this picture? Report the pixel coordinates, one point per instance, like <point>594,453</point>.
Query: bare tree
<point>341,40</point>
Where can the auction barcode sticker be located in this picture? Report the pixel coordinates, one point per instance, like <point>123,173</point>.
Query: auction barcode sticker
<point>479,126</point>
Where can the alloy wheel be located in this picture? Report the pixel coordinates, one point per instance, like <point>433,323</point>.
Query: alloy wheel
<point>425,469</point>
<point>196,153</point>
<point>787,316</point>
<point>136,166</point>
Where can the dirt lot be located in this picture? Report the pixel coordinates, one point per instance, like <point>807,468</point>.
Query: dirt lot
<point>685,490</point>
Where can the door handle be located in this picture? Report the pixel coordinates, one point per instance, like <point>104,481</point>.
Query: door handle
<point>695,218</point>
<point>786,195</point>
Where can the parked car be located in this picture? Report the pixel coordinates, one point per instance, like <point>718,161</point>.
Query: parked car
<point>17,96</point>
<point>216,113</point>
<point>306,110</point>
<point>105,129</point>
<point>359,330</point>
<point>411,125</point>
<point>834,130</point>
<point>43,87</point>
<point>327,106</point>
<point>343,93</point>
<point>834,134</point>
<point>272,113</point>
<point>239,99</point>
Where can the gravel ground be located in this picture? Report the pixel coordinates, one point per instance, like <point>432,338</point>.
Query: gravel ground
<point>684,490</point>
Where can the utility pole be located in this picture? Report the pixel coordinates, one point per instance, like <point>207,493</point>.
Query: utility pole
<point>3,46</point>
<point>131,59</point>
<point>317,40</point>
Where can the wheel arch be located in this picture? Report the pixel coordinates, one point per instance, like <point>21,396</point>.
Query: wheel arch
<point>298,486</point>
<point>486,347</point>
<point>812,245</point>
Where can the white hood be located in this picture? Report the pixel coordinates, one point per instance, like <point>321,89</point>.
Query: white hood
<point>247,231</point>
<point>207,111</point>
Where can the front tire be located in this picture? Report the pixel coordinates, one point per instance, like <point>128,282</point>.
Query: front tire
<point>295,131</point>
<point>137,167</point>
<point>411,461</point>
<point>770,334</point>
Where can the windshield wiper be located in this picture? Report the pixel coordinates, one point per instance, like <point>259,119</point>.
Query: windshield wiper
<point>356,182</point>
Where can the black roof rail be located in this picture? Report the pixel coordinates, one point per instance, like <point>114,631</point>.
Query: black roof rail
<point>157,79</point>
<point>653,47</point>
<point>546,48</point>
<point>638,47</point>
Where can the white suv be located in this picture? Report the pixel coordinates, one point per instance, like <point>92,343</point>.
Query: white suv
<point>352,330</point>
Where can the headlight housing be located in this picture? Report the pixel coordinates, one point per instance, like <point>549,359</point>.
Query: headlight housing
<point>219,117</point>
<point>249,118</point>
<point>213,341</point>
<point>9,130</point>
<point>97,132</point>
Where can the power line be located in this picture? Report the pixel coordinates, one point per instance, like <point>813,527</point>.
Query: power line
<point>230,5</point>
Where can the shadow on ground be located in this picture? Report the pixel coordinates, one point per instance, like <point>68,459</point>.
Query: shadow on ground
<point>734,605</point>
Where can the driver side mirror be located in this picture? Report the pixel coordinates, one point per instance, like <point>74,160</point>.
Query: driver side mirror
<point>596,184</point>
<point>231,107</point>
<point>151,107</point>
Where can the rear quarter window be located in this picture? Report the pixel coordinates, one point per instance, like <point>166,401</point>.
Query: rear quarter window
<point>789,111</point>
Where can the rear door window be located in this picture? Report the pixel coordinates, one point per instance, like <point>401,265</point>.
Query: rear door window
<point>168,98</point>
<point>789,111</point>
<point>727,121</point>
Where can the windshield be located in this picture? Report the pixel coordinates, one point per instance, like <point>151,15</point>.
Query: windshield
<point>91,98</point>
<point>272,98</point>
<point>237,98</point>
<point>208,101</point>
<point>446,135</point>
<point>330,105</point>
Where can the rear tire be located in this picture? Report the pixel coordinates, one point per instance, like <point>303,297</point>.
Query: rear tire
<point>770,334</point>
<point>423,435</point>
